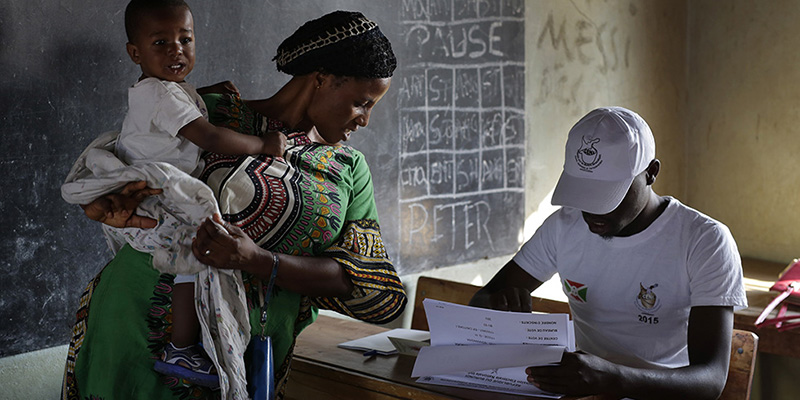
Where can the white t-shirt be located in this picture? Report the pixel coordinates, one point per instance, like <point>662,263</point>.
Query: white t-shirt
<point>157,110</point>
<point>630,297</point>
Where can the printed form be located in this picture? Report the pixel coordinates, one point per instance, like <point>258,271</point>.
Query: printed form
<point>489,350</point>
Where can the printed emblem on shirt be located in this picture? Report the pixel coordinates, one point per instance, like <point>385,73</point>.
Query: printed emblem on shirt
<point>647,299</point>
<point>648,303</point>
<point>575,290</point>
<point>587,157</point>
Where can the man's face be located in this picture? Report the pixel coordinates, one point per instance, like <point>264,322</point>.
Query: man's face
<point>618,222</point>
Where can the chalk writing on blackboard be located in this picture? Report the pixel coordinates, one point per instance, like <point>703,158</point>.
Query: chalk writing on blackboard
<point>461,130</point>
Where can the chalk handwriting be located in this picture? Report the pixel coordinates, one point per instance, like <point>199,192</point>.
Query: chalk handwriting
<point>461,105</point>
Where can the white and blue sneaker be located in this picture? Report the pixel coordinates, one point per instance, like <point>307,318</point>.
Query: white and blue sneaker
<point>189,363</point>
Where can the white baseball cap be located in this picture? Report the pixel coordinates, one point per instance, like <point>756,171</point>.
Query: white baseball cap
<point>605,150</point>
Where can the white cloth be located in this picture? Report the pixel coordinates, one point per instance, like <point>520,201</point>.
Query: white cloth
<point>630,297</point>
<point>157,110</point>
<point>184,204</point>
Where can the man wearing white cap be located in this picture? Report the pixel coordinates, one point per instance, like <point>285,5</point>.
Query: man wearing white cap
<point>652,284</point>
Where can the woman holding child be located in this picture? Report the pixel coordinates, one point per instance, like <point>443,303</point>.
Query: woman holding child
<point>306,221</point>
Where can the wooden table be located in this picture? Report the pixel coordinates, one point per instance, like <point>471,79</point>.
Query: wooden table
<point>322,371</point>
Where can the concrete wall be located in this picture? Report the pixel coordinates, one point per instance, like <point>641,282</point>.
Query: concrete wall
<point>743,126</point>
<point>34,375</point>
<point>587,54</point>
<point>743,137</point>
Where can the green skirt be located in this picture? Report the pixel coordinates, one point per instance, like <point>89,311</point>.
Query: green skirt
<point>124,321</point>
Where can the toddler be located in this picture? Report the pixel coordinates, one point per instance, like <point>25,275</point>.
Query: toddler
<point>166,121</point>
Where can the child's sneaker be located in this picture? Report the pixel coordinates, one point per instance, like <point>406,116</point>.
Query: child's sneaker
<point>189,363</point>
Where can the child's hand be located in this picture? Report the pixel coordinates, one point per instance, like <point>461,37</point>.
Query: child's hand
<point>226,87</point>
<point>117,209</point>
<point>274,143</point>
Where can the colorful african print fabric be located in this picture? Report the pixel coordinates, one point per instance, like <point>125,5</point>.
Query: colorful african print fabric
<point>317,200</point>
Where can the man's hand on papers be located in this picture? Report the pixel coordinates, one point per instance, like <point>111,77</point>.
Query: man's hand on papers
<point>509,290</point>
<point>506,299</point>
<point>489,349</point>
<point>578,374</point>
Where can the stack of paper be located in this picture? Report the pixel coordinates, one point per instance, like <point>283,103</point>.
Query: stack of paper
<point>489,350</point>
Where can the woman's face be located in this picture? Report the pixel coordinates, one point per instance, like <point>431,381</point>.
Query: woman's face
<point>341,105</point>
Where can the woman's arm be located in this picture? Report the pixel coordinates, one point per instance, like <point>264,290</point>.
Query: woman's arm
<point>378,295</point>
<point>225,246</point>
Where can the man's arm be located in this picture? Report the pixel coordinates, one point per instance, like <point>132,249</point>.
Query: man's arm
<point>509,290</point>
<point>709,342</point>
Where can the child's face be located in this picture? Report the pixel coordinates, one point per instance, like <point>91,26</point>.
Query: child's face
<point>164,44</point>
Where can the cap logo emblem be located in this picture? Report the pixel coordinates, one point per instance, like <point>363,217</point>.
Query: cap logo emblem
<point>587,157</point>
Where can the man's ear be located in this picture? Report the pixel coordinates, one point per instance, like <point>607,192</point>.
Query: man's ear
<point>133,52</point>
<point>652,171</point>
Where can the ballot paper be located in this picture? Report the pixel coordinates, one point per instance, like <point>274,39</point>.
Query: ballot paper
<point>381,344</point>
<point>489,350</point>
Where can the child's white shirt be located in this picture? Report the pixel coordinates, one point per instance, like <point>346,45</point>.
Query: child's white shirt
<point>157,110</point>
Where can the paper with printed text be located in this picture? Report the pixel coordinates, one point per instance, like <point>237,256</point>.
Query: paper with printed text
<point>488,349</point>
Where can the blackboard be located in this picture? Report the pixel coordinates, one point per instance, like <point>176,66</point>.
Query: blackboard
<point>446,145</point>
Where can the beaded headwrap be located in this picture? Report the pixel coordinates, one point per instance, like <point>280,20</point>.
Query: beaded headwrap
<point>342,43</point>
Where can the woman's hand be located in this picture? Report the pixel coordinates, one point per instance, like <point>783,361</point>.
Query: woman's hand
<point>225,246</point>
<point>117,209</point>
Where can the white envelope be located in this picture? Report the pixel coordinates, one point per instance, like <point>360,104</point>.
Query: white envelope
<point>380,343</point>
